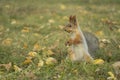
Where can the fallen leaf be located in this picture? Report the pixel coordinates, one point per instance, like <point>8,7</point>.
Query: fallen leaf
<point>51,60</point>
<point>111,76</point>
<point>40,63</point>
<point>98,61</point>
<point>51,21</point>
<point>105,41</point>
<point>116,67</point>
<point>25,46</point>
<point>62,7</point>
<point>7,6</point>
<point>118,30</point>
<point>13,21</point>
<point>16,68</point>
<point>37,35</point>
<point>99,33</point>
<point>7,42</point>
<point>61,27</point>
<point>32,54</point>
<point>27,61</point>
<point>65,17</point>
<point>50,52</point>
<point>119,46</point>
<point>25,30</point>
<point>36,47</point>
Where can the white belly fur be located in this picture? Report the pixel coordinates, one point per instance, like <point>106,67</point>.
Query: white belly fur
<point>78,51</point>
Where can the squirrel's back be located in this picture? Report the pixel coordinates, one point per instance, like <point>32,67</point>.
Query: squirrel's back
<point>92,42</point>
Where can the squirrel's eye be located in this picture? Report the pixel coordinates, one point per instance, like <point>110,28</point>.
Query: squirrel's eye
<point>70,25</point>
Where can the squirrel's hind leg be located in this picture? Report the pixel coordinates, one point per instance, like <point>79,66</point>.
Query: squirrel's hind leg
<point>88,58</point>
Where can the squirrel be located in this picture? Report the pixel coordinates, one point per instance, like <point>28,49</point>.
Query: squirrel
<point>80,42</point>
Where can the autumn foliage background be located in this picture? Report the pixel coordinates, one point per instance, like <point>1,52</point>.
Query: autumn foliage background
<point>32,39</point>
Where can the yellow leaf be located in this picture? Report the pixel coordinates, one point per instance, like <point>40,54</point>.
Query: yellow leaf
<point>25,45</point>
<point>16,68</point>
<point>61,27</point>
<point>29,57</point>
<point>118,30</point>
<point>50,61</point>
<point>27,61</point>
<point>40,63</point>
<point>119,46</point>
<point>13,21</point>
<point>65,18</point>
<point>25,29</point>
<point>51,21</point>
<point>32,54</point>
<point>111,76</point>
<point>7,6</point>
<point>50,52</point>
<point>7,42</point>
<point>37,35</point>
<point>99,33</point>
<point>62,7</point>
<point>36,47</point>
<point>98,61</point>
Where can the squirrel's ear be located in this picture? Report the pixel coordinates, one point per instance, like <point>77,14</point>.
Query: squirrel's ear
<point>70,18</point>
<point>73,20</point>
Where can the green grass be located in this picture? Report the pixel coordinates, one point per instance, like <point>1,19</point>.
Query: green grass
<point>35,15</point>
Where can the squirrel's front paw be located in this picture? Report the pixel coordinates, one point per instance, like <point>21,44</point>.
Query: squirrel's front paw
<point>69,42</point>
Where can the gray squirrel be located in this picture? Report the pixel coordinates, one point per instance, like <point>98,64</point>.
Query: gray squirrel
<point>82,44</point>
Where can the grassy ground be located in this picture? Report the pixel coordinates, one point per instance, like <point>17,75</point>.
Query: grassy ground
<point>29,25</point>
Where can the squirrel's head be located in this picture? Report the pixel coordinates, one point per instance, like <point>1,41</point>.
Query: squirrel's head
<point>72,25</point>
